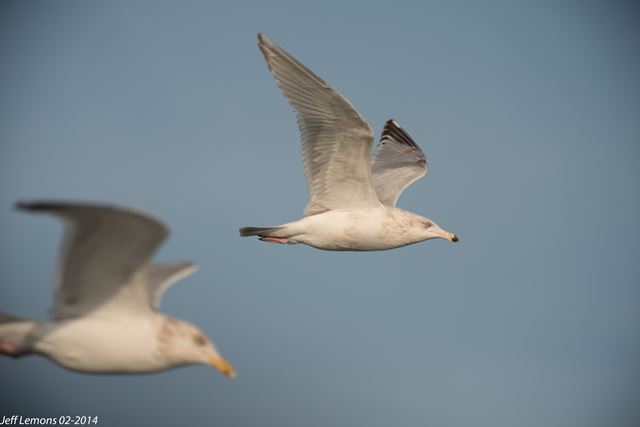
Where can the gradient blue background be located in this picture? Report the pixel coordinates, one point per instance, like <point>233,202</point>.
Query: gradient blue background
<point>529,113</point>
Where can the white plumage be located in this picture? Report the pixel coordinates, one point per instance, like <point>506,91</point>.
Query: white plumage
<point>104,317</point>
<point>352,198</point>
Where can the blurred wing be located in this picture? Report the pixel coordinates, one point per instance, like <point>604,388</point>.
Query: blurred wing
<point>336,139</point>
<point>102,249</point>
<point>397,164</point>
<point>161,276</point>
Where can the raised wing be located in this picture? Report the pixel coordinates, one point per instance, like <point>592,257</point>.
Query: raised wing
<point>102,250</point>
<point>336,139</point>
<point>161,276</point>
<point>397,164</point>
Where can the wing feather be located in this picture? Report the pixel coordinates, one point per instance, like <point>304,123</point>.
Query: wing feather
<point>161,276</point>
<point>102,250</point>
<point>397,164</point>
<point>336,139</point>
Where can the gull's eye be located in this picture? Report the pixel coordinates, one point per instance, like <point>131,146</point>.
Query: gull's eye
<point>199,340</point>
<point>427,224</point>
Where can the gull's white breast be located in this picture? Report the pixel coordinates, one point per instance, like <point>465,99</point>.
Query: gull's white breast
<point>104,345</point>
<point>357,229</point>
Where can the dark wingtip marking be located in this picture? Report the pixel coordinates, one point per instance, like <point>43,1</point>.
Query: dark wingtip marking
<point>393,130</point>
<point>264,42</point>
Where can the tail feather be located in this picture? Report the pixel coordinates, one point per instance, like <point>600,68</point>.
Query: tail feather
<point>10,318</point>
<point>260,231</point>
<point>17,335</point>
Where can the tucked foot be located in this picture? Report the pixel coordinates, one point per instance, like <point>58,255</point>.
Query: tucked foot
<point>281,240</point>
<point>10,349</point>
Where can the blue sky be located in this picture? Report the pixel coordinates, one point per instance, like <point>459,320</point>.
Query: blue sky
<point>528,112</point>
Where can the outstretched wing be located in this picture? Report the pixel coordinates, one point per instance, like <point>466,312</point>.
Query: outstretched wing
<point>336,139</point>
<point>397,164</point>
<point>102,250</point>
<point>161,276</point>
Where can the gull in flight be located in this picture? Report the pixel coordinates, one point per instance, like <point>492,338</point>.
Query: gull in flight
<point>105,315</point>
<point>352,204</point>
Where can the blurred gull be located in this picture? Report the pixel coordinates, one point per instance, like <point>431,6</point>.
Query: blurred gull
<point>352,197</point>
<point>105,318</point>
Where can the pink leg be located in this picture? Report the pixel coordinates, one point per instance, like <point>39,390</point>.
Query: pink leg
<point>281,240</point>
<point>10,349</point>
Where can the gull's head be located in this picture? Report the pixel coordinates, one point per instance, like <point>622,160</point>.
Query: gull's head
<point>428,229</point>
<point>182,343</point>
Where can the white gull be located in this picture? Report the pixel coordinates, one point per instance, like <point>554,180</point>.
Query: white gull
<point>352,205</point>
<point>105,316</point>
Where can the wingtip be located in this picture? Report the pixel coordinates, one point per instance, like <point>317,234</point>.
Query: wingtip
<point>191,267</point>
<point>262,39</point>
<point>393,130</point>
<point>188,267</point>
<point>264,44</point>
<point>392,122</point>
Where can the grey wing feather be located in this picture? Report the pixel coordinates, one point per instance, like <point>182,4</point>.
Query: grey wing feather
<point>103,247</point>
<point>336,139</point>
<point>161,276</point>
<point>398,163</point>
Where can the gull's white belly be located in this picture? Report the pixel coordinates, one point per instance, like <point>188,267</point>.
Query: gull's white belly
<point>355,230</point>
<point>104,345</point>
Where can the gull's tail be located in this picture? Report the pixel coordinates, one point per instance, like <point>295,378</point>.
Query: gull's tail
<point>15,333</point>
<point>10,318</point>
<point>262,231</point>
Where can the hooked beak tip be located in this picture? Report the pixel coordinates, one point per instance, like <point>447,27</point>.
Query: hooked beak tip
<point>447,236</point>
